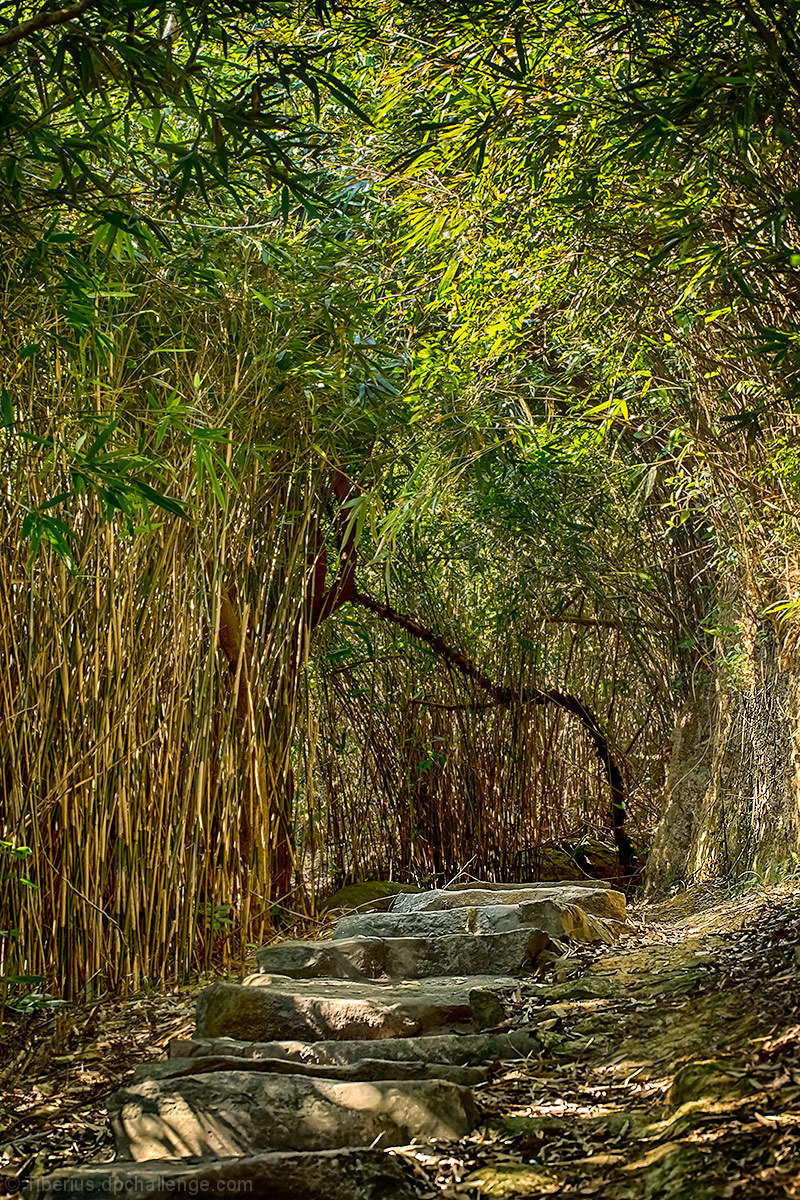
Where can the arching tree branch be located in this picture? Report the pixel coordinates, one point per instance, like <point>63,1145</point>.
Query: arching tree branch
<point>510,698</point>
<point>323,601</point>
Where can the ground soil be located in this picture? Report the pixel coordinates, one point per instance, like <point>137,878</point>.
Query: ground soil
<point>670,1068</point>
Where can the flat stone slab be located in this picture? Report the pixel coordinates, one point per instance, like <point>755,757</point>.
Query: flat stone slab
<point>600,902</point>
<point>556,917</point>
<point>415,957</point>
<point>332,1175</point>
<point>537,886</point>
<point>229,1113</point>
<point>464,1050</point>
<point>356,1072</point>
<point>274,1008</point>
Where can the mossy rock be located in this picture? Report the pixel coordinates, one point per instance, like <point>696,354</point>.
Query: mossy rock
<point>672,1171</point>
<point>614,1124</point>
<point>596,857</point>
<point>512,1180</point>
<point>374,895</point>
<point>586,859</point>
<point>555,864</point>
<point>586,987</point>
<point>706,1080</point>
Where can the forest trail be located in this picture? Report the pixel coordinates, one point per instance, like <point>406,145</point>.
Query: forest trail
<point>646,1068</point>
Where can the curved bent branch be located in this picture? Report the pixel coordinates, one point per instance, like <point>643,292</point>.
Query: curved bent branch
<point>510,698</point>
<point>322,602</point>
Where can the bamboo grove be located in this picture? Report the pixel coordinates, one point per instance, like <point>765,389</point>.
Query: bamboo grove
<point>391,404</point>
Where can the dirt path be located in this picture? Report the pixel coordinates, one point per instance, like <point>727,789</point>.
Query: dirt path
<point>672,1070</point>
<point>669,1066</point>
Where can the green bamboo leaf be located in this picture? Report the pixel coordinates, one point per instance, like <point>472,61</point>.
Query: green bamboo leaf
<point>6,409</point>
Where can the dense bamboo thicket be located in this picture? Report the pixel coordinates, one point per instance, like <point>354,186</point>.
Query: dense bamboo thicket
<point>181,780</point>
<point>398,436</point>
<point>161,778</point>
<point>148,681</point>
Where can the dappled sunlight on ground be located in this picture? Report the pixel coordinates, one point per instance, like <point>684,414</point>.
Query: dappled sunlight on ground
<point>668,1068</point>
<point>672,1067</point>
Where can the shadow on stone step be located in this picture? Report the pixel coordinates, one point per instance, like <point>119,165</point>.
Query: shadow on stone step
<point>229,1113</point>
<point>454,1049</point>
<point>365,1070</point>
<point>331,1175</point>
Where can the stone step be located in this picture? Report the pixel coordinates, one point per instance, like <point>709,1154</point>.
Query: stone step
<point>600,902</point>
<point>355,1072</point>
<point>230,1113</point>
<point>328,1175</point>
<point>465,1050</point>
<point>273,1007</point>
<point>369,957</point>
<point>537,886</point>
<point>559,917</point>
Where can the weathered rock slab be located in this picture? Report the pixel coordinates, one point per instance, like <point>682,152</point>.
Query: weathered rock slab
<point>450,1048</point>
<point>230,1113</point>
<point>560,917</point>
<point>270,1007</point>
<point>598,901</point>
<point>356,1072</point>
<point>367,957</point>
<point>332,1175</point>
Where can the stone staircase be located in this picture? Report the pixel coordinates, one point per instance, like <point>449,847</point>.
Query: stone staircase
<point>299,1079</point>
